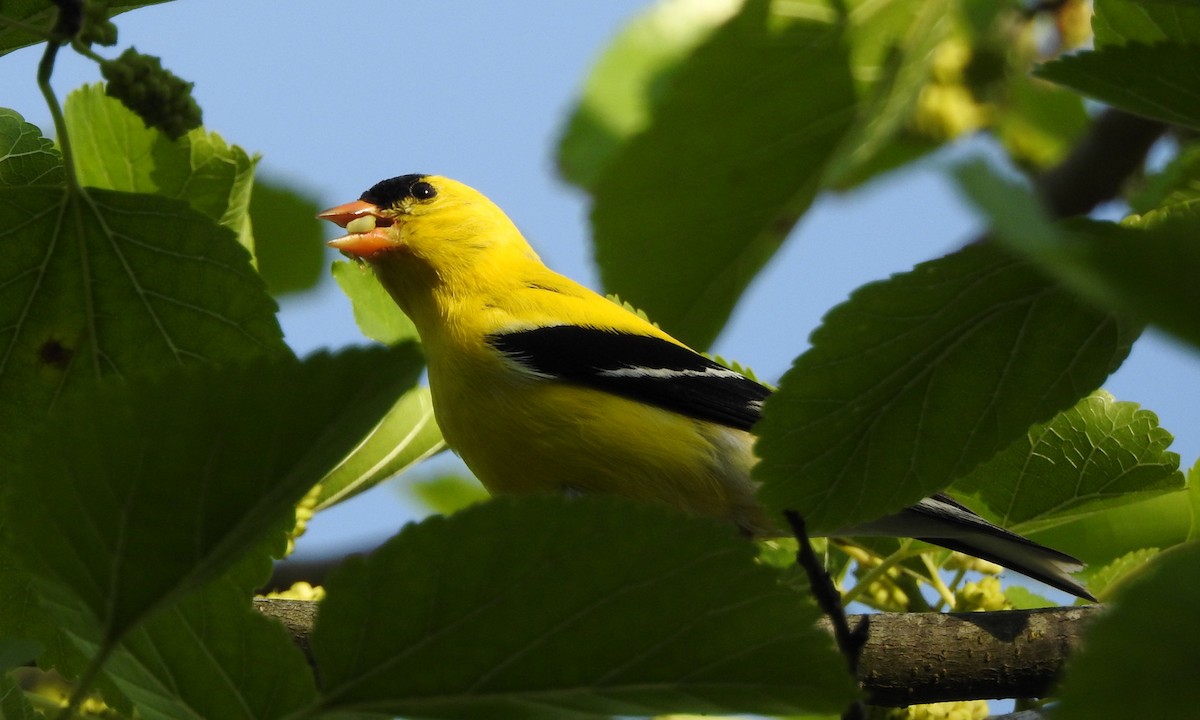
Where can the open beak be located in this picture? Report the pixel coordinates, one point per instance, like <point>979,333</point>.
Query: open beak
<point>367,228</point>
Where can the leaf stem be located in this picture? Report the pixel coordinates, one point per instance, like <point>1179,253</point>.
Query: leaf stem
<point>952,586</point>
<point>935,581</point>
<point>875,573</point>
<point>45,70</point>
<point>87,52</point>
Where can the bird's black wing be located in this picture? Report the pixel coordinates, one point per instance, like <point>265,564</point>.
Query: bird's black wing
<point>639,367</point>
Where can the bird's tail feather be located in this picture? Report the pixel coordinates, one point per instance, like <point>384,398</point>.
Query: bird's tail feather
<point>942,521</point>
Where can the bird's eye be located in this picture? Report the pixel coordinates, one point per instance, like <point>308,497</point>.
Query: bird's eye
<point>423,191</point>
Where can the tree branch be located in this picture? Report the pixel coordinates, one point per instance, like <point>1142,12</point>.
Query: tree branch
<point>912,658</point>
<point>908,658</point>
<point>1103,160</point>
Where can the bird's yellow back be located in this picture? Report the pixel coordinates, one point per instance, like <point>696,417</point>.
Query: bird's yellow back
<point>464,267</point>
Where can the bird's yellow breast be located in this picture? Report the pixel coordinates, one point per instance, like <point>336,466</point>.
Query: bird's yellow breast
<point>522,434</point>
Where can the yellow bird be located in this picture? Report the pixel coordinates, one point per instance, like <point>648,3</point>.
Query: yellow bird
<point>542,385</point>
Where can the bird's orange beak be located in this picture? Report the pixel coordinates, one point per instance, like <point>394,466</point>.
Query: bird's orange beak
<point>368,228</point>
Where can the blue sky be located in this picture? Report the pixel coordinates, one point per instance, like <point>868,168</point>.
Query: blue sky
<point>338,96</point>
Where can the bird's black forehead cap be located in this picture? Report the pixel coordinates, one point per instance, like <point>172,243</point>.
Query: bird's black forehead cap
<point>387,193</point>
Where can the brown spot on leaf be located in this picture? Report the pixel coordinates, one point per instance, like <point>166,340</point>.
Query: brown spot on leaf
<point>55,354</point>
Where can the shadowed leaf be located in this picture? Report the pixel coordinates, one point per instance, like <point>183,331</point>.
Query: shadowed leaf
<point>695,625</point>
<point>915,380</point>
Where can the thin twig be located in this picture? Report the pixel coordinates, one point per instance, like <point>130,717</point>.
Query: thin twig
<point>849,642</point>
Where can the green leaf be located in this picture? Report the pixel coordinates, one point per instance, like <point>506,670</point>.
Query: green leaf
<point>1101,537</point>
<point>114,150</point>
<point>917,379</point>
<point>1160,82</point>
<point>116,284</point>
<point>1012,211</point>
<point>212,656</point>
<point>545,607</point>
<point>1022,598</point>
<point>26,158</point>
<point>629,79</point>
<point>22,616</point>
<point>1090,457</point>
<point>162,484</point>
<point>13,703</point>
<point>1144,268</point>
<point>899,151</point>
<point>447,494</point>
<point>1040,122</point>
<point>15,652</point>
<point>1193,500</point>
<point>892,50</point>
<point>1121,22</point>
<point>891,47</point>
<point>288,239</point>
<point>1103,580</point>
<point>406,435</point>
<point>1176,184</point>
<point>689,210</point>
<point>41,13</point>
<point>1140,649</point>
<point>376,313</point>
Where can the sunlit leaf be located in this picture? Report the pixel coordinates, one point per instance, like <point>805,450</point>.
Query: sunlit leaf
<point>1104,579</point>
<point>1040,122</point>
<point>628,80</point>
<point>448,494</point>
<point>1099,538</point>
<point>1022,598</point>
<point>1095,455</point>
<point>892,48</point>
<point>406,435</point>
<point>114,150</point>
<point>376,313</point>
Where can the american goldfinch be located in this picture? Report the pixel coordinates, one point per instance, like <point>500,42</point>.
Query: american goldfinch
<point>542,385</point>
